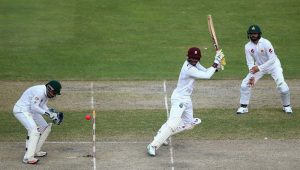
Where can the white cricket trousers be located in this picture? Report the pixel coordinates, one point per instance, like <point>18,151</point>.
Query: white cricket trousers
<point>187,114</point>
<point>277,75</point>
<point>31,121</point>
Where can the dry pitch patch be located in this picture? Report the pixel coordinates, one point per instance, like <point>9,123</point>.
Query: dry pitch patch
<point>187,154</point>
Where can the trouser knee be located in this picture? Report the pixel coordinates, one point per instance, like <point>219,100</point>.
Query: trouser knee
<point>173,123</point>
<point>283,88</point>
<point>244,88</point>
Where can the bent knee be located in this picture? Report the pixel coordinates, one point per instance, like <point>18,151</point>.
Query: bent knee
<point>173,123</point>
<point>244,87</point>
<point>283,88</point>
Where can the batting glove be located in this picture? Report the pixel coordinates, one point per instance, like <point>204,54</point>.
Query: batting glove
<point>218,57</point>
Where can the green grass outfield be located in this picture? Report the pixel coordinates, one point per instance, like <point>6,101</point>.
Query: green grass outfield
<point>138,125</point>
<point>136,40</point>
<point>143,40</point>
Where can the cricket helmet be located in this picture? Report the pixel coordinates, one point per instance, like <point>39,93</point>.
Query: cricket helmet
<point>53,88</point>
<point>254,29</point>
<point>194,53</point>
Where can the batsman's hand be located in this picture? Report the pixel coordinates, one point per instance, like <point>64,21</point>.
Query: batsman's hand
<point>218,57</point>
<point>251,82</point>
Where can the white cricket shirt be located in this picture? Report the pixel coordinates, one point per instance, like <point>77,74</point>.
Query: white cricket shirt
<point>33,100</point>
<point>261,54</point>
<point>187,77</point>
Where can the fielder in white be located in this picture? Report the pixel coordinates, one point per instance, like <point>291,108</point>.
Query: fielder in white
<point>29,110</point>
<point>261,60</point>
<point>181,113</point>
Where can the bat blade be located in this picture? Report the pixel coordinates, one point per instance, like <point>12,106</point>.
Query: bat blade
<point>213,36</point>
<point>212,32</point>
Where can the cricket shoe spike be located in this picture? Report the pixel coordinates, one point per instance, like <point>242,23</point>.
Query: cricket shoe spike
<point>40,154</point>
<point>166,143</point>
<point>287,109</point>
<point>31,160</point>
<point>151,150</point>
<point>242,110</point>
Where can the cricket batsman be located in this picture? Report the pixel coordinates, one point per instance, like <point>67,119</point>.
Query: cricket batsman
<point>261,60</point>
<point>181,113</point>
<point>29,110</point>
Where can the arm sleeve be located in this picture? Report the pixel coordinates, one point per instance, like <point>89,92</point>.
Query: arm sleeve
<point>45,107</point>
<point>195,73</point>
<point>200,67</point>
<point>35,105</point>
<point>249,59</point>
<point>271,57</point>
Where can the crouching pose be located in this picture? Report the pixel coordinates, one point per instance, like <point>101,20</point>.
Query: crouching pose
<point>181,113</point>
<point>29,110</point>
<point>261,60</point>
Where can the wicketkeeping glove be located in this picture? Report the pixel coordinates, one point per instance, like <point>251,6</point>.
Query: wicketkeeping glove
<point>52,115</point>
<point>56,117</point>
<point>59,119</point>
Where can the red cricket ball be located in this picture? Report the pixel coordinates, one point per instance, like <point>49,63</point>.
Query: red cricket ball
<point>88,117</point>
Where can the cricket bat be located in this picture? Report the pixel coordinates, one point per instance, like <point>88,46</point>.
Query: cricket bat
<point>213,35</point>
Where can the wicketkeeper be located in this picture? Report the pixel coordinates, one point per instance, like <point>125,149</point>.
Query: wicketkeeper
<point>181,113</point>
<point>29,110</point>
<point>261,60</point>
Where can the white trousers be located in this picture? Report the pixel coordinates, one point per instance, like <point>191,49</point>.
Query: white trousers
<point>181,113</point>
<point>186,115</point>
<point>277,75</point>
<point>31,121</point>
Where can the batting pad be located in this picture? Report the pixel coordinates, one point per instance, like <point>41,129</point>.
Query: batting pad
<point>43,138</point>
<point>32,142</point>
<point>164,132</point>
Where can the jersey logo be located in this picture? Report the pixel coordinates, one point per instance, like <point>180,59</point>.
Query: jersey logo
<point>180,105</point>
<point>261,50</point>
<point>270,50</point>
<point>252,50</point>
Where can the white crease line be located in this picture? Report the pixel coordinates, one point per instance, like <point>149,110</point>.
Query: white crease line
<point>94,126</point>
<point>168,114</point>
<point>92,95</point>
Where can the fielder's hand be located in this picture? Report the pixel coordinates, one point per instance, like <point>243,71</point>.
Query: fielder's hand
<point>59,119</point>
<point>251,82</point>
<point>56,117</point>
<point>51,115</point>
<point>254,69</point>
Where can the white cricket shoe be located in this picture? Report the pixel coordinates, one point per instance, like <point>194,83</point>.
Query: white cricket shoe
<point>287,109</point>
<point>197,121</point>
<point>30,160</point>
<point>242,110</point>
<point>151,150</point>
<point>40,154</point>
